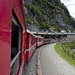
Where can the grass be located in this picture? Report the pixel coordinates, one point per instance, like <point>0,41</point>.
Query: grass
<point>62,54</point>
<point>69,46</point>
<point>67,49</point>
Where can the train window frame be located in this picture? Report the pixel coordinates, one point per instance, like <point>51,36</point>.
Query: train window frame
<point>19,39</point>
<point>14,20</point>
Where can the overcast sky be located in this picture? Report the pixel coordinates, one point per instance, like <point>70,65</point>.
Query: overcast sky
<point>70,5</point>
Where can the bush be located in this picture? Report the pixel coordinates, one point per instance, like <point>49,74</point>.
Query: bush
<point>35,22</point>
<point>33,9</point>
<point>28,21</point>
<point>50,4</point>
<point>70,44</point>
<point>49,16</point>
<point>34,2</point>
<point>42,24</point>
<point>59,9</point>
<point>43,11</point>
<point>47,26</point>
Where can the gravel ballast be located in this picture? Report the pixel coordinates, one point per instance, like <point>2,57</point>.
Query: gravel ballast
<point>31,67</point>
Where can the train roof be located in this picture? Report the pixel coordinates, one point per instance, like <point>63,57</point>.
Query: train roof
<point>39,37</point>
<point>33,34</point>
<point>30,32</point>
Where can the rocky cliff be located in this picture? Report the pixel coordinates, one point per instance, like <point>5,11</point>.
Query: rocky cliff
<point>47,15</point>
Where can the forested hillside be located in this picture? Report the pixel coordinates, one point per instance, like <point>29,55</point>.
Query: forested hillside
<point>51,15</point>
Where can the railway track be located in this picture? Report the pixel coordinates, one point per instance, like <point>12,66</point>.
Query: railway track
<point>31,67</point>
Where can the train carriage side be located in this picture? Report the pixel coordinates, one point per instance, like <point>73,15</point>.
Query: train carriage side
<point>40,41</point>
<point>37,40</point>
<point>31,45</point>
<point>12,33</point>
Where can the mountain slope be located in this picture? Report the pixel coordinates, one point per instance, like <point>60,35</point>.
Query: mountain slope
<point>49,15</point>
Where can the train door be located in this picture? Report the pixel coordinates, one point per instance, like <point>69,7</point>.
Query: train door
<point>25,47</point>
<point>15,45</point>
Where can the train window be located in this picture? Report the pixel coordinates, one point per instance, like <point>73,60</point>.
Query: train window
<point>40,40</point>
<point>15,45</point>
<point>32,40</point>
<point>15,40</point>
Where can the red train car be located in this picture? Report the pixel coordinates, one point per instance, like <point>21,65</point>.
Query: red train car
<point>12,37</point>
<point>32,42</point>
<point>31,45</point>
<point>39,41</point>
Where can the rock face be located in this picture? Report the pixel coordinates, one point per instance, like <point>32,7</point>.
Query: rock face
<point>58,17</point>
<point>43,15</point>
<point>73,50</point>
<point>32,27</point>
